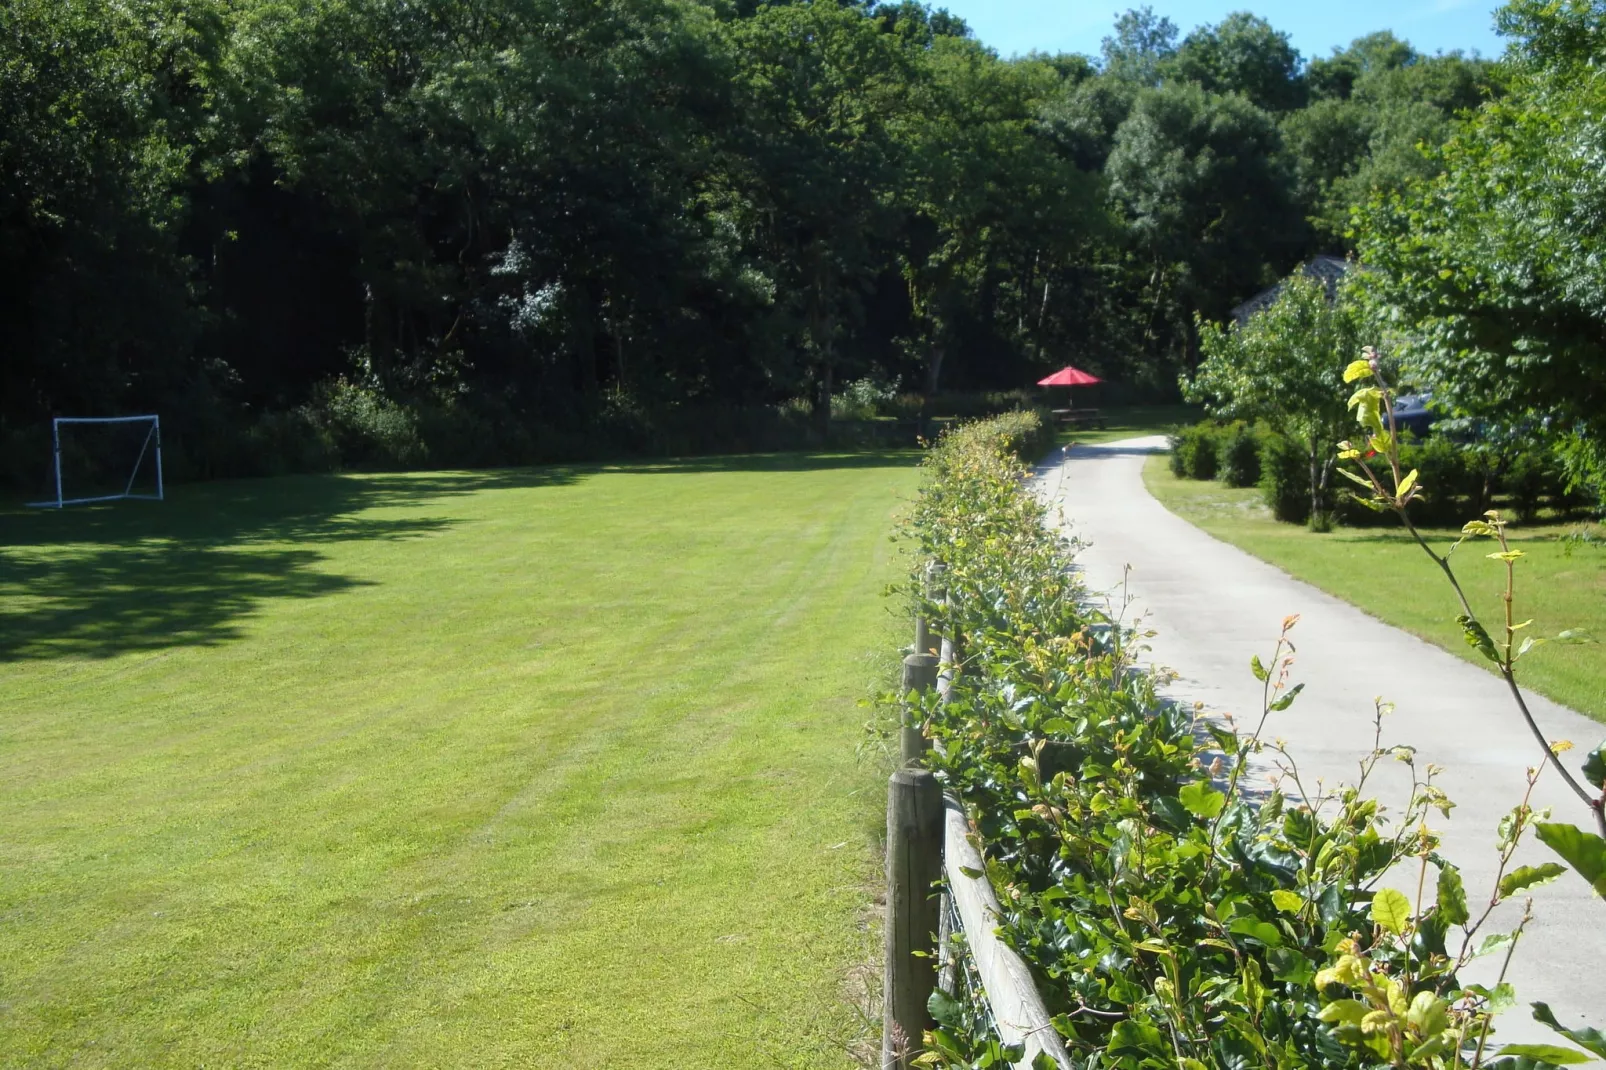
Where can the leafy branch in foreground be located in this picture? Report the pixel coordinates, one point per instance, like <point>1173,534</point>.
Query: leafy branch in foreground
<point>1174,913</point>
<point>1388,486</point>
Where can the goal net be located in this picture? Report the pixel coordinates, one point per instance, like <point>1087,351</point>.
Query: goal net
<point>104,459</point>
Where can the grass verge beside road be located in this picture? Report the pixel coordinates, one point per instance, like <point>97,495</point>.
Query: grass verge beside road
<point>551,767</point>
<point>1129,420</point>
<point>1384,572</point>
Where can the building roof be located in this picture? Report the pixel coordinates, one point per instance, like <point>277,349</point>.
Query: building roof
<point>1327,269</point>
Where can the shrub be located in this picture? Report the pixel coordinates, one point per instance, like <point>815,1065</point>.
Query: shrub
<point>1198,450</point>
<point>1240,456</point>
<point>1175,457</point>
<point>1285,479</point>
<point>1533,477</point>
<point>1025,436</point>
<point>1453,486</point>
<point>863,399</point>
<point>975,404</point>
<point>369,429</point>
<point>285,443</point>
<point>25,462</point>
<point>1167,918</point>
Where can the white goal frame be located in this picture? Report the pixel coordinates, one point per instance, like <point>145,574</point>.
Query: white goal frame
<point>153,437</point>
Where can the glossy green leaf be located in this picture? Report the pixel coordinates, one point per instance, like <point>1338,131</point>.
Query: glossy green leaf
<point>1202,800</point>
<point>1529,877</point>
<point>1263,931</point>
<point>1132,1037</point>
<point>1493,943</point>
<point>1502,997</point>
<point>1477,638</point>
<point>1554,1054</point>
<point>1391,910</point>
<point>1287,699</point>
<point>1286,901</point>
<point>1586,1037</point>
<point>1344,1012</point>
<point>1584,851</point>
<point>1595,767</point>
<point>1452,896</point>
<point>945,1010</point>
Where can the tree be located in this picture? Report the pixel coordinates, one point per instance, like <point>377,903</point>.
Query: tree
<point>1284,366</point>
<point>1242,54</point>
<point>550,222</point>
<point>989,197</point>
<point>1082,118</point>
<point>1380,111</point>
<point>1200,180</point>
<point>100,115</point>
<point>1328,143</point>
<point>821,86</point>
<point>1497,266</point>
<point>1139,47</point>
<point>1334,77</point>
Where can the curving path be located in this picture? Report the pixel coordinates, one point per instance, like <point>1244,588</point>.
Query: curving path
<point>1213,606</point>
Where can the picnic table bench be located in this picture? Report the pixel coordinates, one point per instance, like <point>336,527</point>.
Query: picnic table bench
<point>1078,417</point>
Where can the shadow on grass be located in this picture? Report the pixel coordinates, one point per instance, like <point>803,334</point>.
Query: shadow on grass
<point>108,579</point>
<point>102,580</point>
<point>1112,449</point>
<point>772,462</point>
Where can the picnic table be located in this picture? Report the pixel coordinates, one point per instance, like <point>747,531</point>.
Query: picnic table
<point>1078,417</point>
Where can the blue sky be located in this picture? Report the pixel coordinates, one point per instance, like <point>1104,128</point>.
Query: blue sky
<point>1315,26</point>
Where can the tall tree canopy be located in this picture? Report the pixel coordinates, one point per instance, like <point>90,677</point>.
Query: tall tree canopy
<point>527,228</point>
<point>1495,264</point>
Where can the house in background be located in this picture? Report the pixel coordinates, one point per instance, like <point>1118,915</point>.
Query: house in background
<point>1329,269</point>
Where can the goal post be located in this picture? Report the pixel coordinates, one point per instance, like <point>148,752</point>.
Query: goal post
<point>112,484</point>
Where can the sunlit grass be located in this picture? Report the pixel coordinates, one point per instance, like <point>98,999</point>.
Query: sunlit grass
<point>1384,572</point>
<point>548,768</point>
<point>1127,421</point>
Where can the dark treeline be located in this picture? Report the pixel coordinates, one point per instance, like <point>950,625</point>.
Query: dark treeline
<point>311,232</point>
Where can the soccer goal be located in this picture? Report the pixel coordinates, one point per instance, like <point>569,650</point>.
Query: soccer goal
<point>105,459</point>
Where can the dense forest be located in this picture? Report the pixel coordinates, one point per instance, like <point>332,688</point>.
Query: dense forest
<point>313,232</point>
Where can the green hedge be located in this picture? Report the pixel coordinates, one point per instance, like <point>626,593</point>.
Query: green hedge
<point>1195,451</point>
<point>1168,918</point>
<point>1465,479</point>
<point>1240,456</point>
<point>1285,479</point>
<point>1026,436</point>
<point>1208,450</point>
<point>346,426</point>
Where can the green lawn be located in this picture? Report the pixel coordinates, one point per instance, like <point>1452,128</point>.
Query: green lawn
<point>1384,572</point>
<point>552,767</point>
<point>1125,421</point>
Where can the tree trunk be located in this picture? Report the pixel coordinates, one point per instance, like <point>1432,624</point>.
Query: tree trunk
<point>583,319</point>
<point>934,369</point>
<point>618,332</point>
<point>822,328</point>
<point>1327,479</point>
<point>379,329</point>
<point>1317,488</point>
<point>827,385</point>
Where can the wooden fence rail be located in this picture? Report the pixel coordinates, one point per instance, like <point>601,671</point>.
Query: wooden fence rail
<point>1018,1012</point>
<point>935,871</point>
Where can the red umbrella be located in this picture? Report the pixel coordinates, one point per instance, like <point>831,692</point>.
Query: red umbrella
<point>1069,376</point>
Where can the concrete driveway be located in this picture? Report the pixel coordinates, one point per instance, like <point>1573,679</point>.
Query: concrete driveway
<point>1214,606</point>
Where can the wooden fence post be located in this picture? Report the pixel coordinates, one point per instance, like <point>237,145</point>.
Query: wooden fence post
<point>934,592</point>
<point>914,864</point>
<point>919,676</point>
